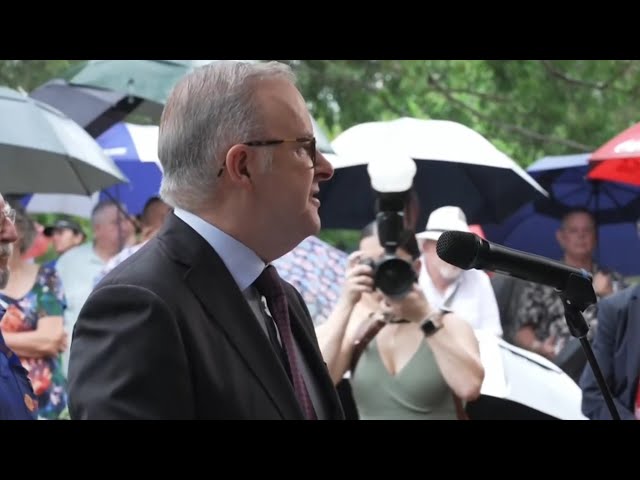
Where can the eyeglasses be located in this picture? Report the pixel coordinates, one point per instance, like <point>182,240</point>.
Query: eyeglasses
<point>308,142</point>
<point>8,213</point>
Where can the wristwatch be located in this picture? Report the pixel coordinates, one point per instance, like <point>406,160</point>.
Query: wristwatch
<point>433,322</point>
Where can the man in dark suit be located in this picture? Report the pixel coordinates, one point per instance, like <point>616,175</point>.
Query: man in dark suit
<point>616,349</point>
<point>194,325</point>
<point>17,400</point>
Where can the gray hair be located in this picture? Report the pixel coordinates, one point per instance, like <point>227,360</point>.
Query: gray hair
<point>208,111</point>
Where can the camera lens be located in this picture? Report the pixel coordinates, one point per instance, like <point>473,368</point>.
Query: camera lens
<point>395,277</point>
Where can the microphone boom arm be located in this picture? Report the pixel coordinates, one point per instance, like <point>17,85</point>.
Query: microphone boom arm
<point>576,297</point>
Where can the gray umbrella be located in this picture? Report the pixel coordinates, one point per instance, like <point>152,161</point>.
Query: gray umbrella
<point>149,80</point>
<point>42,150</point>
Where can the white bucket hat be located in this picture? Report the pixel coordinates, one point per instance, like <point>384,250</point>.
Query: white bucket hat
<point>444,219</point>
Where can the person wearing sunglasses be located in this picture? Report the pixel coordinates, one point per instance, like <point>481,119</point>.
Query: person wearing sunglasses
<point>17,399</point>
<point>197,324</point>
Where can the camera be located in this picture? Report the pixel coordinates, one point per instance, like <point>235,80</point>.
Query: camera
<point>393,275</point>
<point>391,176</point>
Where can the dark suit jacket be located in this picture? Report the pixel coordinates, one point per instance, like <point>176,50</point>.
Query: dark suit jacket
<point>168,335</point>
<point>617,349</point>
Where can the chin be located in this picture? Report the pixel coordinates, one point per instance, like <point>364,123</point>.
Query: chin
<point>315,224</point>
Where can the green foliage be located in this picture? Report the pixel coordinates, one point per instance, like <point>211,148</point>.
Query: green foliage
<point>345,240</point>
<point>527,108</point>
<point>29,74</point>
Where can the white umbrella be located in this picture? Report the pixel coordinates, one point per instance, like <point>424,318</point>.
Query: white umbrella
<point>455,166</point>
<point>69,204</point>
<point>42,150</point>
<point>517,376</point>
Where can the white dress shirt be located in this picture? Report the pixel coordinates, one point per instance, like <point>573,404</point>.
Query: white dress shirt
<point>471,296</point>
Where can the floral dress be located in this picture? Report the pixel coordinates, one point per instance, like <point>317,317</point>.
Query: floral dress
<point>47,379</point>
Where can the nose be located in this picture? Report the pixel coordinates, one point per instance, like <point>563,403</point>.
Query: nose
<point>8,233</point>
<point>324,169</point>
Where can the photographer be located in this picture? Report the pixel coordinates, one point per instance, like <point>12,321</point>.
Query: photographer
<point>403,372</point>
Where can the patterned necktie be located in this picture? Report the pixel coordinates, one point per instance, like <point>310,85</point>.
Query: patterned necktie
<point>270,286</point>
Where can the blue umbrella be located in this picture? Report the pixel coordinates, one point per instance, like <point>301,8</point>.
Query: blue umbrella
<point>134,148</point>
<point>615,206</point>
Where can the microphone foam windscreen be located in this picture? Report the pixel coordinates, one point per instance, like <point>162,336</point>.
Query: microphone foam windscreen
<point>458,248</point>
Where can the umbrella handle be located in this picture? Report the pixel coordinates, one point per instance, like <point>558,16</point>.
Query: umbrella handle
<point>127,215</point>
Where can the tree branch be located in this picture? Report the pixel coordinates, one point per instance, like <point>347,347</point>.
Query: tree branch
<point>606,85</point>
<point>433,81</point>
<point>487,96</point>
<point>358,84</point>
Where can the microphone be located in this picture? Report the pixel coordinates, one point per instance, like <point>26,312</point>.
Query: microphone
<point>467,250</point>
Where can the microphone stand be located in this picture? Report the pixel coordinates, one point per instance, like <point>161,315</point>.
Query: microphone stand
<point>576,297</point>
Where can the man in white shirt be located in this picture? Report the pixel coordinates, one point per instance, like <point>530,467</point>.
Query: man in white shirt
<point>79,266</point>
<point>467,292</point>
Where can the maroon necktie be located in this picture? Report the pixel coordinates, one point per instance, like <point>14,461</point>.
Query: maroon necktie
<point>270,286</point>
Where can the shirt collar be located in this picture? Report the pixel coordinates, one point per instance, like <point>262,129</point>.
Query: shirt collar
<point>243,263</point>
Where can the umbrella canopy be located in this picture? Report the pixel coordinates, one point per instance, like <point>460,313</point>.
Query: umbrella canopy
<point>94,109</point>
<point>42,150</point>
<point>151,80</point>
<point>131,81</point>
<point>317,270</point>
<point>615,207</point>
<point>455,166</point>
<point>519,384</point>
<point>134,150</point>
<point>618,160</point>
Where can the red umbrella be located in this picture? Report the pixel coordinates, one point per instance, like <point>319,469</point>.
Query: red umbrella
<point>618,160</point>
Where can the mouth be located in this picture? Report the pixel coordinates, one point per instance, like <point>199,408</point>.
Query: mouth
<point>314,197</point>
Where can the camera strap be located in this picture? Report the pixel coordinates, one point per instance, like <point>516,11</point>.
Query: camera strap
<point>369,331</point>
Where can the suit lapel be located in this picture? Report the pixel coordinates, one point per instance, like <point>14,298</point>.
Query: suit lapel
<point>632,335</point>
<point>217,291</point>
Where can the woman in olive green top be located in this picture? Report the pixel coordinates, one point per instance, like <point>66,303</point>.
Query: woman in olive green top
<point>402,373</point>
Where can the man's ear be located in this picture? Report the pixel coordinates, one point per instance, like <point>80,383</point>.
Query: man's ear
<point>237,164</point>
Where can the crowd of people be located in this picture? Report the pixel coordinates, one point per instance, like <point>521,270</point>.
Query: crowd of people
<point>187,300</point>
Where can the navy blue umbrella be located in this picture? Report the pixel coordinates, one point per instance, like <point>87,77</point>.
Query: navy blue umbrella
<point>616,208</point>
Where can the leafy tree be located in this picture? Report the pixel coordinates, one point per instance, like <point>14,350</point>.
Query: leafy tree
<point>527,108</point>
